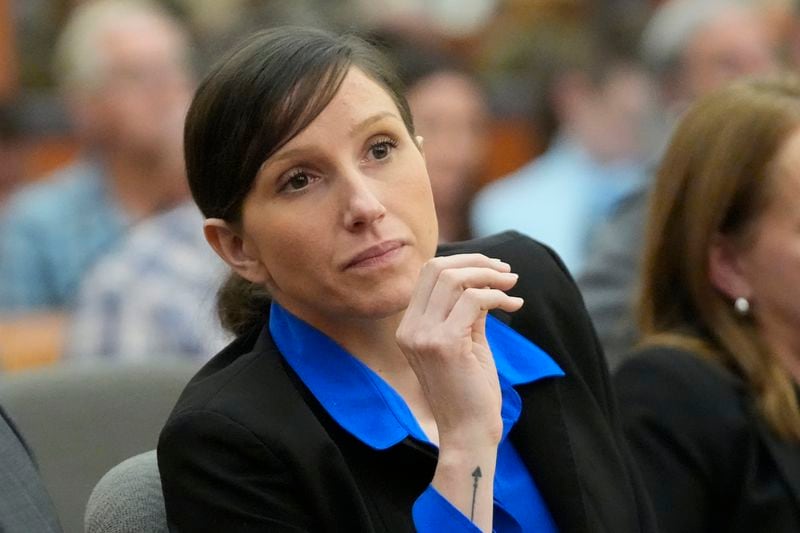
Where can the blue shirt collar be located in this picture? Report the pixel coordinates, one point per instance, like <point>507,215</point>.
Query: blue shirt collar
<point>362,403</point>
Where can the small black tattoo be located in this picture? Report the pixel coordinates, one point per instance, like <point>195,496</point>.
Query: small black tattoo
<point>476,475</point>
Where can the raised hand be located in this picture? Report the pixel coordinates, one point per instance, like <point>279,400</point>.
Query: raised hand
<point>443,336</point>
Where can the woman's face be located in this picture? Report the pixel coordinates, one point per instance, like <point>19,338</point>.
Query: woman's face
<point>341,219</point>
<point>771,262</point>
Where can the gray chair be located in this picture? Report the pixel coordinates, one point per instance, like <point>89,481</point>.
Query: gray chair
<point>128,499</point>
<point>81,420</point>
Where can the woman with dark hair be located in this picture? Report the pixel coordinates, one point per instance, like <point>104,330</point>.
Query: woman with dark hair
<point>709,399</point>
<point>373,386</point>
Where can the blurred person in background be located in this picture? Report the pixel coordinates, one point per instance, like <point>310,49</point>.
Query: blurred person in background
<point>597,97</point>
<point>124,72</point>
<point>710,399</point>
<point>153,297</point>
<point>692,48</point>
<point>10,151</point>
<point>451,113</point>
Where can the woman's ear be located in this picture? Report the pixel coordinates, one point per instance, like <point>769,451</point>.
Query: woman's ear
<point>419,139</point>
<point>725,268</point>
<point>234,250</point>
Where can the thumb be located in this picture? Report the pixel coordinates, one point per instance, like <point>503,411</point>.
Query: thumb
<point>479,329</point>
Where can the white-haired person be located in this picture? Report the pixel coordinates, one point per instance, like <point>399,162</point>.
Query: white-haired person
<point>123,70</point>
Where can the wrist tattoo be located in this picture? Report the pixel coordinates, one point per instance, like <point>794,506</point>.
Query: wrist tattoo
<point>476,475</point>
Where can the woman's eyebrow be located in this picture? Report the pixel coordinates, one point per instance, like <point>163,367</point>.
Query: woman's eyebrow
<point>369,121</point>
<point>355,130</point>
<point>287,154</point>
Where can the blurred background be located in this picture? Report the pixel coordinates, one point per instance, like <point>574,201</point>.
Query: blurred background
<point>492,84</point>
<point>496,38</point>
<point>538,115</point>
<point>544,116</point>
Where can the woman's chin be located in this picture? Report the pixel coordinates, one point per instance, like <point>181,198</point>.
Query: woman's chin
<point>382,303</point>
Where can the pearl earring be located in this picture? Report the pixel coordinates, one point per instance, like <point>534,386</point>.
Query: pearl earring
<point>742,306</point>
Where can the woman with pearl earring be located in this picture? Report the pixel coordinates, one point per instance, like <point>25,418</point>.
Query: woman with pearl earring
<point>710,399</point>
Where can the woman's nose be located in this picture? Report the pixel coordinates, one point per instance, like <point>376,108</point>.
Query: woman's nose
<point>362,205</point>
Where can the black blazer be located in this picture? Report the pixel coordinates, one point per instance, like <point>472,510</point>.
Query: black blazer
<point>708,459</point>
<point>248,448</point>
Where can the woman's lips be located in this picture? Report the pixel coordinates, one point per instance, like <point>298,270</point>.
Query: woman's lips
<point>377,255</point>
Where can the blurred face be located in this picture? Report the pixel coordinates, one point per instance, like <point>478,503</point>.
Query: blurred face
<point>451,115</point>
<point>613,115</point>
<point>771,262</point>
<point>145,90</point>
<point>340,220</point>
<point>735,45</point>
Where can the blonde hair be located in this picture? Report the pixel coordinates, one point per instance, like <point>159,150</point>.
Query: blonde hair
<point>716,178</point>
<point>78,57</point>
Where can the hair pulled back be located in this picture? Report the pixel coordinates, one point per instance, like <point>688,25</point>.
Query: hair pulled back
<point>255,100</point>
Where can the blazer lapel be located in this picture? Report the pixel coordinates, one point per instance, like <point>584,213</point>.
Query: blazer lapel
<point>542,440</point>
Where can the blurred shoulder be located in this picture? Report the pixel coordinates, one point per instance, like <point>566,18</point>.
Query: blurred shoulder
<point>169,247</point>
<point>504,187</point>
<point>505,203</point>
<point>180,224</point>
<point>673,380</point>
<point>542,273</point>
<point>56,195</point>
<point>508,246</point>
<point>675,364</point>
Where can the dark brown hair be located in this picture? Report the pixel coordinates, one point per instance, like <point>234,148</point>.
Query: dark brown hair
<point>262,94</point>
<point>715,179</point>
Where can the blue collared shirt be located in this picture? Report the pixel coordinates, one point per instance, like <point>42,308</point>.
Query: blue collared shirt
<point>367,407</point>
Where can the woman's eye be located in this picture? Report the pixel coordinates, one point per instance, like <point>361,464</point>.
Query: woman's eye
<point>297,181</point>
<point>382,149</point>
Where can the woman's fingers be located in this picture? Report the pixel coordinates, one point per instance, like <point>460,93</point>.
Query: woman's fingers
<point>474,303</point>
<point>443,336</point>
<point>465,323</point>
<point>429,275</point>
<point>453,281</point>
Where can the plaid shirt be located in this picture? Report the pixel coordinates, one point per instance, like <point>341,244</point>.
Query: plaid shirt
<point>154,297</point>
<point>51,232</point>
